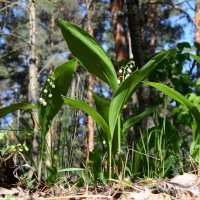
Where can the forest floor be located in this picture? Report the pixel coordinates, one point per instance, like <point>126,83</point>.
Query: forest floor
<point>183,187</point>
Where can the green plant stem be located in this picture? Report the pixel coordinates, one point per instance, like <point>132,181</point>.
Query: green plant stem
<point>41,156</point>
<point>110,160</point>
<point>119,135</point>
<point>119,144</point>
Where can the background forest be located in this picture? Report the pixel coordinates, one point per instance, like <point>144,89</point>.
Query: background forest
<point>159,141</point>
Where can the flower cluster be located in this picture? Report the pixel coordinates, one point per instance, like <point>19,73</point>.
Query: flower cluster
<point>47,90</point>
<point>126,71</point>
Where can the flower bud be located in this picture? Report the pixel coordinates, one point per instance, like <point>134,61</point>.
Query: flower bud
<point>45,91</point>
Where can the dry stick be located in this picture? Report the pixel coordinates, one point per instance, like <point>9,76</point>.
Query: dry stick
<point>6,7</point>
<point>145,154</point>
<point>79,196</point>
<point>17,36</point>
<point>14,50</point>
<point>176,7</point>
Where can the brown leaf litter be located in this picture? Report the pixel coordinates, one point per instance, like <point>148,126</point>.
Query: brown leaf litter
<point>181,187</point>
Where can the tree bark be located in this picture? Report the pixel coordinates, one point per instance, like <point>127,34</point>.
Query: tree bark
<point>91,82</point>
<point>33,72</point>
<point>152,29</point>
<point>135,32</point>
<point>52,27</point>
<point>197,31</point>
<point>120,30</point>
<point>138,51</point>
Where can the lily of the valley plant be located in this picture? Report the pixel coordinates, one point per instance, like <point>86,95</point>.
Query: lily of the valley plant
<point>107,114</point>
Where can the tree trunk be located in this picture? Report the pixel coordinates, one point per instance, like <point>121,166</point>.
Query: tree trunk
<point>33,73</point>
<point>149,22</point>
<point>52,27</point>
<point>91,81</point>
<point>138,51</point>
<point>120,30</point>
<point>152,29</point>
<point>135,32</point>
<point>197,31</point>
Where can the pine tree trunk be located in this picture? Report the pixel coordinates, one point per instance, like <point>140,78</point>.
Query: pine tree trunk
<point>152,29</point>
<point>135,32</point>
<point>197,31</point>
<point>120,30</point>
<point>138,51</point>
<point>33,73</point>
<point>91,81</point>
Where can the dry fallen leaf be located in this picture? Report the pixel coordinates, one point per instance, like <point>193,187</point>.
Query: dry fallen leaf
<point>12,191</point>
<point>186,179</point>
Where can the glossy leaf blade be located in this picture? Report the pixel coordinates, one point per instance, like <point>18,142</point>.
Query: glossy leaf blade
<point>19,106</point>
<point>178,97</point>
<point>89,52</point>
<point>127,88</point>
<point>62,76</point>
<point>195,57</point>
<point>102,106</point>
<point>78,104</point>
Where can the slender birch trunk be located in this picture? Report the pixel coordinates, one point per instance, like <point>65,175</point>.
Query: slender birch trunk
<point>33,74</point>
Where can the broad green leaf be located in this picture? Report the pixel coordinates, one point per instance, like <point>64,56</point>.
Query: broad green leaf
<point>183,45</point>
<point>89,52</point>
<point>198,81</point>
<point>102,106</point>
<point>169,163</point>
<point>132,120</point>
<point>78,104</point>
<point>195,146</point>
<point>60,79</point>
<point>197,58</point>
<point>19,106</point>
<point>178,97</point>
<point>128,87</point>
